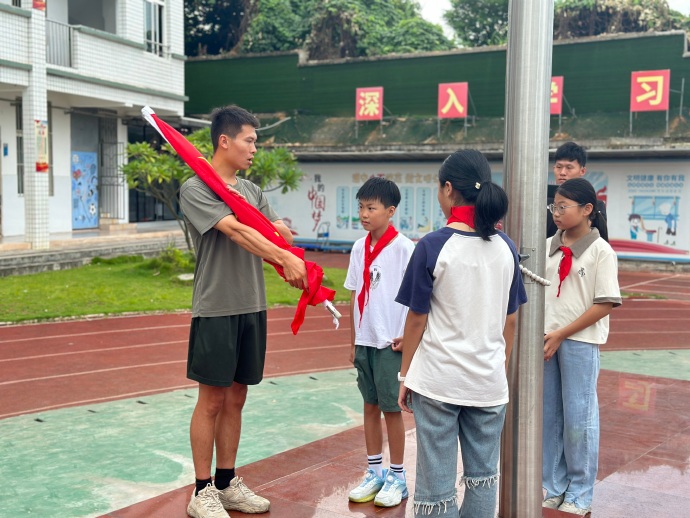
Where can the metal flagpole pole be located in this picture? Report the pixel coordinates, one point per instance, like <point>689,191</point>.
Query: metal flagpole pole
<point>525,160</point>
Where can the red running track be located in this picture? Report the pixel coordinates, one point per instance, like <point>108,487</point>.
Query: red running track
<point>53,365</point>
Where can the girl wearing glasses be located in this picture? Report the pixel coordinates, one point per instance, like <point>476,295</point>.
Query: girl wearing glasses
<point>583,271</point>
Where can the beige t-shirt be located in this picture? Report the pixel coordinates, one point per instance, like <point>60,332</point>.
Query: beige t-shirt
<point>228,280</point>
<point>593,279</point>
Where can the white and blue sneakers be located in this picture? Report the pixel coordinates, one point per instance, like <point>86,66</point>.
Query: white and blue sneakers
<point>367,490</point>
<point>392,492</point>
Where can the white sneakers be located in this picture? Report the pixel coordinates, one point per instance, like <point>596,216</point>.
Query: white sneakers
<point>213,503</point>
<point>238,497</point>
<point>206,504</point>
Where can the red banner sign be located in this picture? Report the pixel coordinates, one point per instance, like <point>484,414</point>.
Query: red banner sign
<point>556,95</point>
<point>39,4</point>
<point>649,90</point>
<point>369,104</point>
<point>452,100</point>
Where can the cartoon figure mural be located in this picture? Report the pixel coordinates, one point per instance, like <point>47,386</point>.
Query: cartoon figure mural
<point>84,190</point>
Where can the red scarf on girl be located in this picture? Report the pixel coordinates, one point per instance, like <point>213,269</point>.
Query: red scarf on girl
<point>464,214</point>
<point>564,267</point>
<point>369,256</point>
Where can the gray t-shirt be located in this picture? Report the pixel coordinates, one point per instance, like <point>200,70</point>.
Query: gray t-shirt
<point>228,280</point>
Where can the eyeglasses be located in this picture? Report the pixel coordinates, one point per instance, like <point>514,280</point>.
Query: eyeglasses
<point>553,209</point>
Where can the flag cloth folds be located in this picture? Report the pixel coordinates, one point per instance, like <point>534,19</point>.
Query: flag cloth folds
<point>248,215</point>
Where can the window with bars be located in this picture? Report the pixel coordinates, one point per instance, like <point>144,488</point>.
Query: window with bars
<point>19,121</point>
<point>16,3</point>
<point>153,26</point>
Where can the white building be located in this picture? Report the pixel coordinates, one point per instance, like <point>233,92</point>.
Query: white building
<point>70,72</point>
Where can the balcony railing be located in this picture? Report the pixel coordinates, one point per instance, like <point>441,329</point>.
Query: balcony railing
<point>58,44</point>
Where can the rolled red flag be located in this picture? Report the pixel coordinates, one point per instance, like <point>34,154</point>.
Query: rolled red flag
<point>248,215</point>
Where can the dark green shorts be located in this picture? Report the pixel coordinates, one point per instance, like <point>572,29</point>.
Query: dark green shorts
<point>223,350</point>
<point>377,376</point>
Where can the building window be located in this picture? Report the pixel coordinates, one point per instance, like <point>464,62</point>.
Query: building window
<point>153,26</point>
<point>20,146</point>
<point>16,3</point>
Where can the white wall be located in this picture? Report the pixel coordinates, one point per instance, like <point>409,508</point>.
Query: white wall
<point>327,195</point>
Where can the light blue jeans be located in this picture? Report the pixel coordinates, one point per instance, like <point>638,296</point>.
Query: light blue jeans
<point>439,425</point>
<point>571,422</point>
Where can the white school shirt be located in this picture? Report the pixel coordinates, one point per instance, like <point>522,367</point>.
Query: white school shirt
<point>593,279</point>
<point>467,286</point>
<point>383,319</point>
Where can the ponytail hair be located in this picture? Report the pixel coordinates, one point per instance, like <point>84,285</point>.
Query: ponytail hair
<point>469,174</point>
<point>581,191</point>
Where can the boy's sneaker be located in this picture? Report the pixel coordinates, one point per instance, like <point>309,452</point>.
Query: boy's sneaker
<point>392,492</point>
<point>206,504</point>
<point>369,487</point>
<point>554,502</point>
<point>238,497</point>
<point>569,507</point>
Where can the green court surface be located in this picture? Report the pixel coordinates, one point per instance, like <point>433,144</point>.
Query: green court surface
<point>673,364</point>
<point>89,460</point>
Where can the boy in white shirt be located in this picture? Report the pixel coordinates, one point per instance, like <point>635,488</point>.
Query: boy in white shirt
<point>377,265</point>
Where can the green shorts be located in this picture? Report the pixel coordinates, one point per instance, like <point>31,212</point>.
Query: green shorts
<point>223,350</point>
<point>377,376</point>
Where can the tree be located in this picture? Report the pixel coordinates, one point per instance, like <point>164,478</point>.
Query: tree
<point>216,26</point>
<point>485,22</point>
<point>355,28</point>
<point>581,18</point>
<point>478,23</point>
<point>161,173</point>
<point>278,25</point>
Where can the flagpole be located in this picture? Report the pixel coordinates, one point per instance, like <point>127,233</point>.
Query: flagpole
<point>527,115</point>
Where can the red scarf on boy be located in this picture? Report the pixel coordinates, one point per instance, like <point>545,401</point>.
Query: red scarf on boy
<point>369,256</point>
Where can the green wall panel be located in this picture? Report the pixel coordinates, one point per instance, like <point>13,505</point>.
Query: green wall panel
<point>597,79</point>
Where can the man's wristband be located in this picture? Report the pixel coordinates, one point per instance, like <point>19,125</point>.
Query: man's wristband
<point>401,378</point>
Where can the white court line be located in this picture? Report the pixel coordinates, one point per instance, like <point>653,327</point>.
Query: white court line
<point>649,281</point>
<point>97,371</point>
<point>89,351</point>
<point>137,329</point>
<point>125,367</point>
<point>91,333</point>
<point>153,344</point>
<point>96,400</point>
<point>647,332</point>
<point>151,391</point>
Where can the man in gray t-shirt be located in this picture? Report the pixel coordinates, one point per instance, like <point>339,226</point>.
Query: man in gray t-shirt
<point>227,339</point>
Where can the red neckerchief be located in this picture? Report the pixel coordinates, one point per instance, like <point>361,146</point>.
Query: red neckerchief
<point>464,214</point>
<point>369,256</point>
<point>564,267</point>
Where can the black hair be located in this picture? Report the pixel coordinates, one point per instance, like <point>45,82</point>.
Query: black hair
<point>229,121</point>
<point>469,174</point>
<point>380,189</point>
<point>581,191</point>
<point>572,152</point>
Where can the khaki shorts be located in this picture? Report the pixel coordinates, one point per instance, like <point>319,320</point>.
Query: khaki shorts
<point>223,350</point>
<point>377,376</point>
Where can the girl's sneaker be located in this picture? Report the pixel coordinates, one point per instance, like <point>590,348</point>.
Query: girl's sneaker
<point>569,507</point>
<point>367,490</point>
<point>392,492</point>
<point>554,502</point>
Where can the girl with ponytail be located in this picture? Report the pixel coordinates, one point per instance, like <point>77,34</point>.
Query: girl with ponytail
<point>463,287</point>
